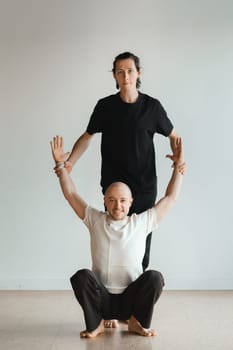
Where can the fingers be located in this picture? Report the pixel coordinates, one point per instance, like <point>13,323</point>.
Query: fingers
<point>170,156</point>
<point>57,171</point>
<point>181,147</point>
<point>178,161</point>
<point>178,141</point>
<point>57,148</point>
<point>182,168</point>
<point>61,142</point>
<point>68,166</point>
<point>51,145</point>
<point>177,151</point>
<point>57,142</point>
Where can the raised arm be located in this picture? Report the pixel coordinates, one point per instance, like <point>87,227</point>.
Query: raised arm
<point>164,205</point>
<point>66,183</point>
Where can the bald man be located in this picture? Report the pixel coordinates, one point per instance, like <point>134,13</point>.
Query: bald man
<point>116,287</point>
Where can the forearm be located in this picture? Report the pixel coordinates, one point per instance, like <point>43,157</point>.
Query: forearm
<point>173,137</point>
<point>80,147</point>
<point>174,185</point>
<point>70,193</point>
<point>66,183</point>
<point>166,203</point>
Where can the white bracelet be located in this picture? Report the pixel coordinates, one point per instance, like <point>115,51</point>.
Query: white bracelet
<point>60,165</point>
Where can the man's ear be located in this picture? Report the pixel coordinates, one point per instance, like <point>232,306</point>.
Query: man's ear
<point>105,204</point>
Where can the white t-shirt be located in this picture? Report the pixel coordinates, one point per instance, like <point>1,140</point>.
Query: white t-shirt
<point>118,246</point>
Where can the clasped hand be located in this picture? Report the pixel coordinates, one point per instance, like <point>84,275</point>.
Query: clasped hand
<point>178,157</point>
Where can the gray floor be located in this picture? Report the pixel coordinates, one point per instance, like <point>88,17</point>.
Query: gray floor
<point>51,320</point>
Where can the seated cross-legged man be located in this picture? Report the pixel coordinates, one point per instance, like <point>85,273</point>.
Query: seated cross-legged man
<point>116,287</point>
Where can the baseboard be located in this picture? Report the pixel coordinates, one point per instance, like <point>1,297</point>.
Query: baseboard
<point>35,284</point>
<point>64,284</point>
<point>198,284</point>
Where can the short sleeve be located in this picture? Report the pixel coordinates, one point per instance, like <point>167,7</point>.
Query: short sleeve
<point>147,221</point>
<point>164,125</point>
<point>96,120</point>
<point>152,219</point>
<point>92,215</point>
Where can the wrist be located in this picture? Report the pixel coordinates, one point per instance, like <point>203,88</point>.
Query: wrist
<point>69,163</point>
<point>60,165</point>
<point>180,167</point>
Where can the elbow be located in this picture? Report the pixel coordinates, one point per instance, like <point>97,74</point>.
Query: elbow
<point>68,195</point>
<point>172,195</point>
<point>173,134</point>
<point>173,198</point>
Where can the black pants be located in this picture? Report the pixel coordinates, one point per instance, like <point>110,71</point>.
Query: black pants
<point>138,298</point>
<point>142,202</point>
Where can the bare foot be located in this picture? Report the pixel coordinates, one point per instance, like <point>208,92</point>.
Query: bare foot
<point>93,334</point>
<point>111,324</point>
<point>135,326</point>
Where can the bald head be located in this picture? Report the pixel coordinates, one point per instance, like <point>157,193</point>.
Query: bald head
<point>120,186</point>
<point>118,199</point>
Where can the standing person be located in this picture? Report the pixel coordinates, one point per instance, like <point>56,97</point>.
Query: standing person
<point>117,287</point>
<point>128,121</point>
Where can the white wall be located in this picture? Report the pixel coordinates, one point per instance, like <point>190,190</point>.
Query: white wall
<point>56,58</point>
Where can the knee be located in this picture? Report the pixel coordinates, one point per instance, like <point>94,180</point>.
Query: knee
<point>80,277</point>
<point>156,278</point>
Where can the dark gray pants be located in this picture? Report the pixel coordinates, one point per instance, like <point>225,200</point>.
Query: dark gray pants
<point>138,298</point>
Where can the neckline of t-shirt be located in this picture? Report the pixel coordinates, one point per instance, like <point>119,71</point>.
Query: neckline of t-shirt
<point>130,103</point>
<point>117,223</point>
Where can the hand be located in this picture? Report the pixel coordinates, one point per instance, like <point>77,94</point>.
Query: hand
<point>177,157</point>
<point>68,166</point>
<point>182,168</point>
<point>57,150</point>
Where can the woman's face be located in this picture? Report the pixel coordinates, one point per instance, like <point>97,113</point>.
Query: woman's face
<point>126,74</point>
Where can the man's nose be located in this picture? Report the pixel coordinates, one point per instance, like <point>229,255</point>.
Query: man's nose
<point>117,204</point>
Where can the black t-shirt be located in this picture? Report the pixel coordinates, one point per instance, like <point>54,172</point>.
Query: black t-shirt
<point>127,146</point>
